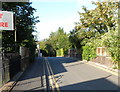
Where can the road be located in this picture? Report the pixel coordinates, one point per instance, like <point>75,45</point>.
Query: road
<point>72,74</point>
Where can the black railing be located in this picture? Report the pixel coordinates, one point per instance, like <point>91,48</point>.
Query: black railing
<point>10,66</point>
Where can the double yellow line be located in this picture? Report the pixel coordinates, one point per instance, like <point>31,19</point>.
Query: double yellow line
<point>54,85</point>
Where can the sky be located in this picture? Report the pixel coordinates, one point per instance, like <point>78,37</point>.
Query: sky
<point>57,13</point>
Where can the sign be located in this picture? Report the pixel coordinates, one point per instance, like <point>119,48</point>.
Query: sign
<point>6,20</point>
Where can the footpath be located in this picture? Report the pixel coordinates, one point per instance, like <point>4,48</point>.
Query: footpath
<point>30,80</point>
<point>103,67</point>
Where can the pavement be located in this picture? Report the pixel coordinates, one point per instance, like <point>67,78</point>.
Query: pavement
<point>9,85</point>
<point>32,78</point>
<point>115,72</point>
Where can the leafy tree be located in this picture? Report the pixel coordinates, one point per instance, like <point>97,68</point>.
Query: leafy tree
<point>60,40</point>
<point>51,52</point>
<point>56,41</point>
<point>111,42</point>
<point>93,26</point>
<point>101,19</point>
<point>24,24</point>
<point>73,38</point>
<point>80,37</point>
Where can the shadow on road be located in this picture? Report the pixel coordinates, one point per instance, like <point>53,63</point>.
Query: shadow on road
<point>57,63</point>
<point>59,66</point>
<point>96,85</point>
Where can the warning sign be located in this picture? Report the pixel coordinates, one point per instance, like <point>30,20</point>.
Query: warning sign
<point>6,20</point>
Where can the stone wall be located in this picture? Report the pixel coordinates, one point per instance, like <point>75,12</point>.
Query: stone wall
<point>103,57</point>
<point>107,61</point>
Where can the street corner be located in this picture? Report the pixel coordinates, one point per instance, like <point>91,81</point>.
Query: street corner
<point>104,68</point>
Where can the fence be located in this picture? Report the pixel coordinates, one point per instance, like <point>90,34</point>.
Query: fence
<point>11,64</point>
<point>102,51</point>
<point>74,53</point>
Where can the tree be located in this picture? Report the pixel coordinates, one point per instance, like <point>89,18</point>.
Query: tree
<point>79,38</point>
<point>56,41</point>
<point>73,38</point>
<point>111,42</point>
<point>59,40</point>
<point>101,19</point>
<point>94,24</point>
<point>24,23</point>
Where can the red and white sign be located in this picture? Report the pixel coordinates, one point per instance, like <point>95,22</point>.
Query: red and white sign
<point>6,20</point>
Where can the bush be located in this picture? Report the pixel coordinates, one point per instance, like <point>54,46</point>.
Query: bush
<point>112,44</point>
<point>60,52</point>
<point>88,52</point>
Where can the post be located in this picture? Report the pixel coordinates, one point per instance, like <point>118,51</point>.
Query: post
<point>1,63</point>
<point>0,5</point>
<point>15,35</point>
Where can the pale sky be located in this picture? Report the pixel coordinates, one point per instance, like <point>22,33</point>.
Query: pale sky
<point>57,13</point>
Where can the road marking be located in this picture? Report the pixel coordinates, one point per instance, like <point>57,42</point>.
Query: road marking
<point>52,79</point>
<point>44,77</point>
<point>102,68</point>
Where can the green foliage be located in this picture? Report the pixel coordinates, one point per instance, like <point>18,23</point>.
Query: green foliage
<point>56,41</point>
<point>8,41</point>
<point>111,42</point>
<point>32,48</point>
<point>59,39</point>
<point>100,19</point>
<point>24,23</point>
<point>88,52</point>
<point>59,52</point>
<point>74,40</point>
<point>83,37</point>
<point>80,38</point>
<point>50,50</point>
<point>97,28</point>
<point>44,53</point>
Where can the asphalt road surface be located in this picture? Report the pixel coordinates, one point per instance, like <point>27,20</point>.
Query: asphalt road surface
<point>71,74</point>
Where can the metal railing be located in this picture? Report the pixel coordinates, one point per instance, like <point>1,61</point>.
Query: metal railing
<point>9,67</point>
